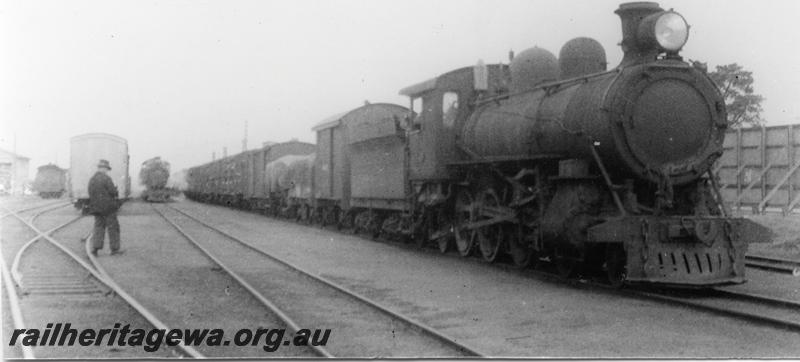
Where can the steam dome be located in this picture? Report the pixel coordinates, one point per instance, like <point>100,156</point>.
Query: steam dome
<point>581,56</point>
<point>533,67</point>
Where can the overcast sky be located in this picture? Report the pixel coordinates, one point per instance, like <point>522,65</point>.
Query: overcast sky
<point>178,79</point>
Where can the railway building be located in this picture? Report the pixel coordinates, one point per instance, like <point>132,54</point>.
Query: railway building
<point>13,172</point>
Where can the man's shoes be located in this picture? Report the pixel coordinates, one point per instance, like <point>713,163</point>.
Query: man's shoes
<point>118,252</point>
<point>94,252</point>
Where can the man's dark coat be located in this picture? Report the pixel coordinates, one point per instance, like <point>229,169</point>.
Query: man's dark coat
<point>102,195</point>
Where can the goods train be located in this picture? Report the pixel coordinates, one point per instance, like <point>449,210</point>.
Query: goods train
<point>85,152</point>
<point>154,176</point>
<point>50,181</point>
<point>557,161</point>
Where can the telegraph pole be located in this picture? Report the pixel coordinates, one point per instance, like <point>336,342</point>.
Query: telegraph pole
<point>244,140</point>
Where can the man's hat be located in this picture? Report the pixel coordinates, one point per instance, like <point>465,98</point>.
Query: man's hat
<point>104,163</point>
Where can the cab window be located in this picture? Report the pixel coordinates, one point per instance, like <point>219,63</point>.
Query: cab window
<point>416,108</point>
<point>449,109</point>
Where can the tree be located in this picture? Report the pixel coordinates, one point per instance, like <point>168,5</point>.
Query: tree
<point>736,85</point>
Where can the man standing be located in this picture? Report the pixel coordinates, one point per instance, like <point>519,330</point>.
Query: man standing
<point>103,205</point>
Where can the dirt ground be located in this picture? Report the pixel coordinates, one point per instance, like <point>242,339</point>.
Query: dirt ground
<point>786,239</point>
<point>75,298</point>
<point>502,313</point>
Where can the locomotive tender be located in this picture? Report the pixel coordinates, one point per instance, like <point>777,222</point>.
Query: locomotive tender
<point>50,181</point>
<point>546,159</point>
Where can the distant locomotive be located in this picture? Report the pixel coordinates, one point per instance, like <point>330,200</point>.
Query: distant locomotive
<point>553,160</point>
<point>154,176</point>
<point>50,181</point>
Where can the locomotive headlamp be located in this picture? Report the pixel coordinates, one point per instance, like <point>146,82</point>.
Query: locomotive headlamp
<point>667,30</point>
<point>671,31</point>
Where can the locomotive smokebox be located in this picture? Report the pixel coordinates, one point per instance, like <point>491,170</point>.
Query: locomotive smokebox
<point>668,122</point>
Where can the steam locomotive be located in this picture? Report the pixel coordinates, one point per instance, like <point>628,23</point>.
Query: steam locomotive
<point>549,160</point>
<point>154,176</point>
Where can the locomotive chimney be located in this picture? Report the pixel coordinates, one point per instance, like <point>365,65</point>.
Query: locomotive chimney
<point>631,15</point>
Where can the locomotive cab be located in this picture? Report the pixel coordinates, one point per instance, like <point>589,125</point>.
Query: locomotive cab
<point>442,105</point>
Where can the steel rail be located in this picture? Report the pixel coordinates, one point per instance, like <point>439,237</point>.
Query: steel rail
<point>771,321</point>
<point>15,273</point>
<point>15,263</point>
<point>252,290</point>
<point>628,292</point>
<point>780,302</point>
<point>112,285</point>
<point>632,292</point>
<point>189,350</point>
<point>13,304</point>
<point>10,212</point>
<point>409,321</point>
<point>47,208</point>
<point>773,264</point>
<point>11,292</point>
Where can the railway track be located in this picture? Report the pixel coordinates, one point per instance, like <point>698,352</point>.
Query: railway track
<point>9,281</point>
<point>778,313</point>
<point>773,264</point>
<point>63,279</point>
<point>205,286</point>
<point>309,298</point>
<point>775,312</point>
<point>15,273</point>
<point>8,210</point>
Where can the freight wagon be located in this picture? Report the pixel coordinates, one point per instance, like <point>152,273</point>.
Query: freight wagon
<point>243,180</point>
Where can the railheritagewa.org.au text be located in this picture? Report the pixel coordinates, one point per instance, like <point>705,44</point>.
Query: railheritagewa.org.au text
<point>62,334</point>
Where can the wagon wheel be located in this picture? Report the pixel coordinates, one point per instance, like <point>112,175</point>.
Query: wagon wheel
<point>376,227</point>
<point>521,254</point>
<point>344,221</point>
<point>320,214</point>
<point>334,216</point>
<point>616,265</point>
<point>310,214</point>
<point>489,237</point>
<point>358,222</point>
<point>300,213</point>
<point>464,214</point>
